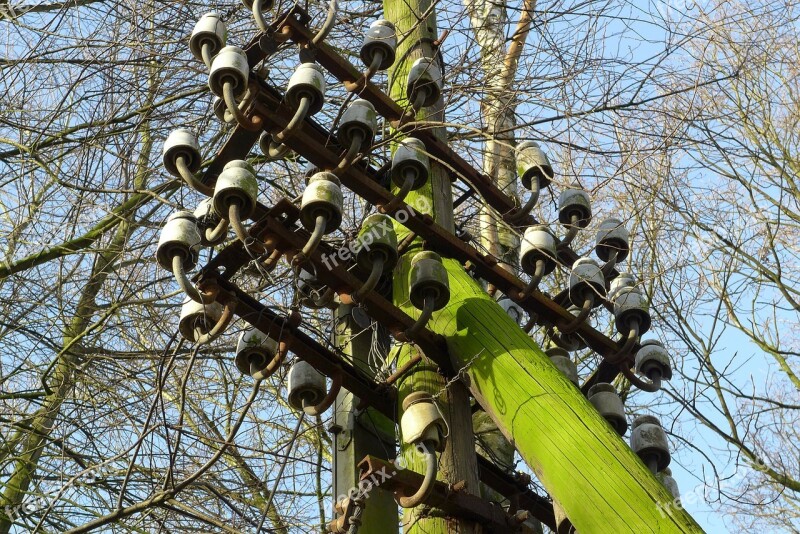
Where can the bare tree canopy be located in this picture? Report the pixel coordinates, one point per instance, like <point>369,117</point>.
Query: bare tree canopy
<point>678,119</point>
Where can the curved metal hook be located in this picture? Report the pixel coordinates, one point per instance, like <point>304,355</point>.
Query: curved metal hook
<point>650,387</point>
<point>572,233</point>
<point>400,197</point>
<point>187,286</point>
<point>325,403</point>
<point>205,53</point>
<point>273,365</point>
<point>419,99</point>
<point>579,319</point>
<point>241,119</point>
<point>258,15</point>
<point>630,342</point>
<point>327,26</point>
<point>427,312</point>
<point>351,154</point>
<point>235,218</point>
<point>297,119</point>
<point>374,65</point>
<point>538,274</point>
<point>610,264</point>
<point>217,234</point>
<point>427,483</point>
<point>222,324</point>
<point>313,241</point>
<point>525,210</point>
<point>371,282</point>
<point>189,177</point>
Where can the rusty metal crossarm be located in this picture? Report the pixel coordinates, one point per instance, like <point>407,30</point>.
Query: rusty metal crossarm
<point>347,73</point>
<point>387,476</point>
<point>306,347</point>
<point>315,144</point>
<point>381,397</point>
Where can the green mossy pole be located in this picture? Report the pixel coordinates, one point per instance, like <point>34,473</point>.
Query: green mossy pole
<point>415,21</point>
<point>584,465</point>
<point>359,433</point>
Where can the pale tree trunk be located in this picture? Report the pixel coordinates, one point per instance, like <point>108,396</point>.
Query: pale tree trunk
<point>489,20</point>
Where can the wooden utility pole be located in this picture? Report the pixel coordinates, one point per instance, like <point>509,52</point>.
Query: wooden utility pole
<point>585,466</point>
<point>359,433</point>
<point>415,21</point>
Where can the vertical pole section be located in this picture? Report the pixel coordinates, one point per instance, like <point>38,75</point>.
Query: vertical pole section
<point>415,21</point>
<point>358,434</point>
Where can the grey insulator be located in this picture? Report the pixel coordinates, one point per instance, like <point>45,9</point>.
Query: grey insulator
<point>513,309</point>
<point>538,243</point>
<point>665,477</point>
<point>607,402</point>
<point>533,164</point>
<point>211,30</point>
<point>181,143</point>
<point>198,317</point>
<point>254,350</point>
<point>428,278</point>
<point>422,421</point>
<point>424,75</point>
<point>230,65</point>
<point>620,281</point>
<point>236,184</point>
<point>322,196</point>
<point>410,156</point>
<point>564,363</point>
<point>574,201</point>
<point>649,442</point>
<point>359,118</point>
<point>630,303</point>
<point>380,37</point>
<point>377,239</point>
<point>179,237</point>
<point>612,236</point>
<point>308,81</point>
<point>585,278</point>
<point>305,383</point>
<point>652,360</point>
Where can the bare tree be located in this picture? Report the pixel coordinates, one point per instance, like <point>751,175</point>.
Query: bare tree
<point>109,420</point>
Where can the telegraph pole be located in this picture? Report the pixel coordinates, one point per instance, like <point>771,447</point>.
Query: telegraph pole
<point>415,20</point>
<point>597,480</point>
<point>360,432</point>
